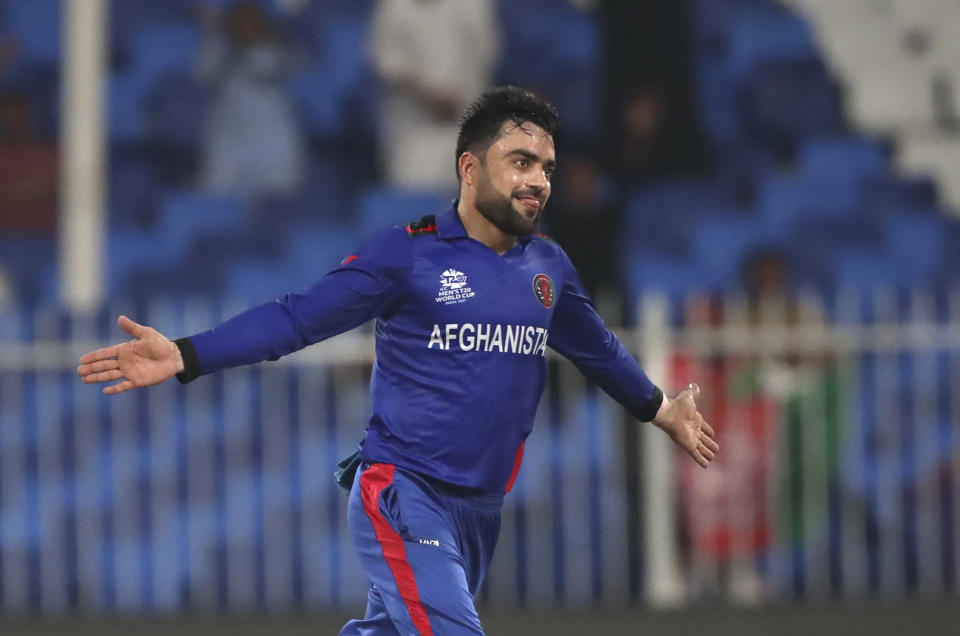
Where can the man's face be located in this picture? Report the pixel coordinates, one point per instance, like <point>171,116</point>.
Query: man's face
<point>513,182</point>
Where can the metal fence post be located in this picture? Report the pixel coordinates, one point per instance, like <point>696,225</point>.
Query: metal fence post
<point>662,584</point>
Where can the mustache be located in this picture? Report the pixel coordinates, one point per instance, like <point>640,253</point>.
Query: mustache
<point>534,193</point>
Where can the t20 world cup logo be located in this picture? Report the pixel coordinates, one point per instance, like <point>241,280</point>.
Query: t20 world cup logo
<point>452,279</point>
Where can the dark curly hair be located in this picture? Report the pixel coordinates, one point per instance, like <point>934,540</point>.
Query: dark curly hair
<point>483,119</point>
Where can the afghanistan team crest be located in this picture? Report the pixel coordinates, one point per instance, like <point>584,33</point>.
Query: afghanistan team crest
<point>544,290</point>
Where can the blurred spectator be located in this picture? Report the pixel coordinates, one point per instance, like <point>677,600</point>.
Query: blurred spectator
<point>770,297</point>
<point>725,517</point>
<point>651,122</point>
<point>758,401</point>
<point>433,57</point>
<point>642,118</point>
<point>650,140</point>
<point>29,185</point>
<point>253,138</point>
<point>582,219</point>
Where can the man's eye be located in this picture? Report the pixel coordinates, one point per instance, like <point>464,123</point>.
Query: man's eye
<point>522,163</point>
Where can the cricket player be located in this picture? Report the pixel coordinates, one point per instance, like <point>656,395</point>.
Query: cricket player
<point>466,303</point>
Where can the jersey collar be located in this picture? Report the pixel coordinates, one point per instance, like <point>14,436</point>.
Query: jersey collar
<point>449,225</point>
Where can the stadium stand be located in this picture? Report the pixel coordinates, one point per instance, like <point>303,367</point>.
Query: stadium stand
<point>809,138</point>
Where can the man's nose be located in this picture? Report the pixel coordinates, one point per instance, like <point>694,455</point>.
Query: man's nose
<point>537,179</point>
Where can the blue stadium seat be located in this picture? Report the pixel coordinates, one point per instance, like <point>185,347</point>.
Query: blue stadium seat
<point>744,163</point>
<point>309,252</point>
<point>37,24</point>
<point>382,206</point>
<point>717,103</point>
<point>658,216</point>
<point>719,246</point>
<point>814,243</point>
<point>784,200</point>
<point>187,214</point>
<point>222,251</point>
<point>31,262</point>
<point>345,52</point>
<point>577,96</point>
<point>15,325</point>
<point>842,159</point>
<point>127,93</point>
<point>889,191</point>
<point>320,100</point>
<point>130,251</point>
<point>869,270</point>
<point>130,17</point>
<point>134,191</point>
<point>21,252</point>
<point>173,281</point>
<point>673,276</point>
<point>157,51</point>
<point>185,218</point>
<point>756,35</point>
<point>553,38</point>
<point>916,241</point>
<point>174,111</point>
<point>261,281</point>
<point>163,48</point>
<point>861,229</point>
<point>950,269</point>
<point>272,215</point>
<point>710,17</point>
<point>783,101</point>
<point>733,38</point>
<point>316,249</point>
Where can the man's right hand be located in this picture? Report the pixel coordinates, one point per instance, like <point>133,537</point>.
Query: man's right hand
<point>150,358</point>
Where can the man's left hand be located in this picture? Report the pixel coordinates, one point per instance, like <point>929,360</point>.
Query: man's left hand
<point>681,420</point>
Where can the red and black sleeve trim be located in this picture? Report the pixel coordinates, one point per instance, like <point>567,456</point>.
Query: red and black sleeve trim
<point>650,411</point>
<point>191,361</point>
<point>426,225</point>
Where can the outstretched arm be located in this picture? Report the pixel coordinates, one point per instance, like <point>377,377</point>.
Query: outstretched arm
<point>150,358</point>
<point>578,333</point>
<point>364,286</point>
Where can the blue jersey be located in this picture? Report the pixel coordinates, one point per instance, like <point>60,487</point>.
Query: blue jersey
<point>461,335</point>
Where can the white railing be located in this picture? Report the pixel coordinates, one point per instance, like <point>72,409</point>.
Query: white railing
<point>837,479</point>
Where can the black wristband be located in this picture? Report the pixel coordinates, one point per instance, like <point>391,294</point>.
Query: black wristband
<point>650,410</point>
<point>191,361</point>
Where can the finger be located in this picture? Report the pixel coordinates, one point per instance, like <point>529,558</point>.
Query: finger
<point>106,376</point>
<point>700,459</point>
<point>101,354</point>
<point>694,389</point>
<point>706,428</point>
<point>96,367</point>
<point>119,387</point>
<point>132,328</point>
<point>710,443</point>
<point>705,451</point>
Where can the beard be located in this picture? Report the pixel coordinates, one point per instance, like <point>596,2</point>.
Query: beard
<point>500,211</point>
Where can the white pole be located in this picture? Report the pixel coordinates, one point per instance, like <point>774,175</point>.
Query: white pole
<point>83,153</point>
<point>663,585</point>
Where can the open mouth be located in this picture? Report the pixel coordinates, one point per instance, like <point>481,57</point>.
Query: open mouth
<point>532,204</point>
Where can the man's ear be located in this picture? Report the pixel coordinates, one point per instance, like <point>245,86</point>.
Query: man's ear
<point>467,165</point>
